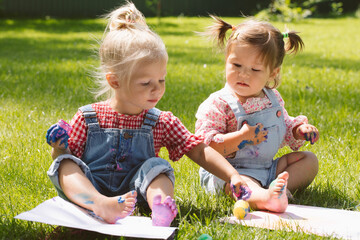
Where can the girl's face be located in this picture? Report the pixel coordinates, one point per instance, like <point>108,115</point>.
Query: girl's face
<point>246,74</point>
<point>146,88</point>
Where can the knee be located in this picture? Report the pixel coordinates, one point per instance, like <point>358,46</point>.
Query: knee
<point>313,162</point>
<point>156,161</point>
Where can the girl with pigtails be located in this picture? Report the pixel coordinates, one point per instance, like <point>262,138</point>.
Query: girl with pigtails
<point>107,159</point>
<point>247,122</point>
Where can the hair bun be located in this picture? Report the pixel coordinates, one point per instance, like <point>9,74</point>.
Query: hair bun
<point>126,17</point>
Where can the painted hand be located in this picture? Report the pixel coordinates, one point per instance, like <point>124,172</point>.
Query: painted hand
<point>60,131</point>
<point>254,134</point>
<point>307,132</point>
<point>243,194</point>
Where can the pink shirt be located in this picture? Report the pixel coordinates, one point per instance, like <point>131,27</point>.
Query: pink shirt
<point>169,132</point>
<point>215,116</point>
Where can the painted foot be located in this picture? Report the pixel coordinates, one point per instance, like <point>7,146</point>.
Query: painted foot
<point>278,200</point>
<point>112,209</point>
<point>163,213</point>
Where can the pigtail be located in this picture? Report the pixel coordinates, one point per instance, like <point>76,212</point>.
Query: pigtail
<point>217,32</point>
<point>126,17</point>
<point>294,43</point>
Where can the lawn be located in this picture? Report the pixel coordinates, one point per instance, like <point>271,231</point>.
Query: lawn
<point>45,75</point>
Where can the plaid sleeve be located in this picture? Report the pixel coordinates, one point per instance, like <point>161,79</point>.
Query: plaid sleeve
<point>214,117</point>
<point>78,134</point>
<point>177,138</point>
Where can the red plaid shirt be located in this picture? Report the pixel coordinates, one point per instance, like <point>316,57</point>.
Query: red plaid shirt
<point>169,132</point>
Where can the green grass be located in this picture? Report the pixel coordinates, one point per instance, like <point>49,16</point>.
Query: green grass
<point>45,75</point>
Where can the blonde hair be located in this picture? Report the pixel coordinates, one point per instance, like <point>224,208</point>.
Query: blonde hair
<point>127,41</point>
<point>265,37</point>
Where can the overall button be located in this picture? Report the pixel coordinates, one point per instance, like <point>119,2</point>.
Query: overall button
<point>127,136</point>
<point>278,113</point>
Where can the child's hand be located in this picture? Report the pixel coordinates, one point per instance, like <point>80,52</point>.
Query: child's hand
<point>253,134</point>
<point>239,188</point>
<point>58,134</point>
<point>307,132</point>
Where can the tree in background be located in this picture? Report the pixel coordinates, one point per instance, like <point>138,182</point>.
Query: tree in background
<point>155,7</point>
<point>287,11</point>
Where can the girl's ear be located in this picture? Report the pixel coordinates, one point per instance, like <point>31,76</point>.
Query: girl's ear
<point>275,72</point>
<point>112,80</point>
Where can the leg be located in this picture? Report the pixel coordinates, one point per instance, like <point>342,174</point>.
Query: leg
<point>78,188</point>
<point>302,168</point>
<point>161,188</point>
<point>271,199</point>
<point>161,185</point>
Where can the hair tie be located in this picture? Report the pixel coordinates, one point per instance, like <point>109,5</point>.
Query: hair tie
<point>130,17</point>
<point>233,27</point>
<point>285,35</point>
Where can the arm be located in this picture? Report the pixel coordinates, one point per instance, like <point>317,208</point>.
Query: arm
<point>217,124</point>
<point>215,163</point>
<point>234,141</point>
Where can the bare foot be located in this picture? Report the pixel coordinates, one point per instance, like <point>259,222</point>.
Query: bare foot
<point>163,213</point>
<point>278,200</point>
<point>113,208</point>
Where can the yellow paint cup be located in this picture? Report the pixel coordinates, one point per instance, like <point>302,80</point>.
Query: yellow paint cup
<point>241,209</point>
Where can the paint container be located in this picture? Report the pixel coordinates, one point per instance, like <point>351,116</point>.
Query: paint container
<point>241,209</point>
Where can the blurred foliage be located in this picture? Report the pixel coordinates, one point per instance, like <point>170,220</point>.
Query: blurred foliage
<point>287,11</point>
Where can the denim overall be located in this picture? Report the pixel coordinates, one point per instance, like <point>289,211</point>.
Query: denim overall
<point>118,160</point>
<point>256,161</point>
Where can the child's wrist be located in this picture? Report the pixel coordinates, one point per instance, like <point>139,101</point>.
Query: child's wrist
<point>296,131</point>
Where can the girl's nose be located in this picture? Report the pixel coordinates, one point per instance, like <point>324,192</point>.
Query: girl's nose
<point>244,73</point>
<point>155,87</point>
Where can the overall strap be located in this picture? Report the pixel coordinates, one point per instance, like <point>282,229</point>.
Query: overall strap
<point>233,102</point>
<point>91,120</point>
<point>272,97</point>
<point>151,118</point>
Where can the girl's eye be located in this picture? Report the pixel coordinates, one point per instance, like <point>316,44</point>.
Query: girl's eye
<point>237,65</point>
<point>256,70</point>
<point>145,83</point>
<point>161,80</point>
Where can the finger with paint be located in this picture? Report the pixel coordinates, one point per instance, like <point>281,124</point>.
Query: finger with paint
<point>309,133</point>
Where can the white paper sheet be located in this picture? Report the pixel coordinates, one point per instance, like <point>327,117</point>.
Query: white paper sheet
<point>315,220</point>
<point>57,211</point>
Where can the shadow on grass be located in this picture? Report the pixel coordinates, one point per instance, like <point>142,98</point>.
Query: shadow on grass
<point>328,197</point>
<point>41,50</point>
<point>316,61</point>
<point>53,25</point>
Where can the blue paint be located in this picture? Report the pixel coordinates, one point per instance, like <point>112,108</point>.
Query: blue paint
<point>244,143</point>
<point>257,130</point>
<point>85,197</point>
<point>121,200</point>
<point>58,131</point>
<point>311,136</point>
<point>281,191</point>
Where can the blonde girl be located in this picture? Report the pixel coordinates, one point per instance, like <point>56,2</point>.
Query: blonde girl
<point>112,160</point>
<point>246,120</point>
